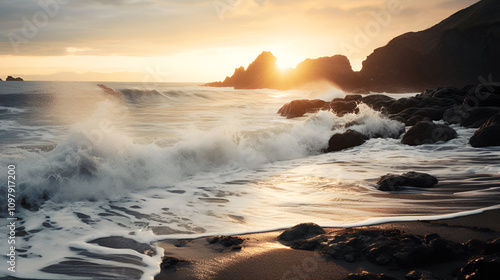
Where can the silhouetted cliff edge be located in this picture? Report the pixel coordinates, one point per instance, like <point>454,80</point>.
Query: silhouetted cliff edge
<point>455,52</point>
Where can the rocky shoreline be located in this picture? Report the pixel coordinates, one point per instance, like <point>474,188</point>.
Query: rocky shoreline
<point>474,106</point>
<point>456,249</point>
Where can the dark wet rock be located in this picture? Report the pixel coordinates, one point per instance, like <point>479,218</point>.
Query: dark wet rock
<point>369,276</point>
<point>469,117</point>
<point>488,134</point>
<point>226,241</point>
<point>391,182</point>
<point>421,275</point>
<point>341,107</point>
<point>483,95</point>
<point>474,246</point>
<point>428,133</point>
<point>429,237</point>
<point>308,244</point>
<point>12,79</point>
<point>348,139</point>
<point>481,268</point>
<point>402,104</point>
<point>171,262</point>
<point>452,93</point>
<point>492,247</point>
<point>301,232</point>
<point>443,249</point>
<point>378,102</point>
<point>353,97</point>
<point>119,242</point>
<point>413,115</point>
<point>297,108</point>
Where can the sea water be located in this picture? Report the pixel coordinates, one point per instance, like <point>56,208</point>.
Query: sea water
<point>146,162</point>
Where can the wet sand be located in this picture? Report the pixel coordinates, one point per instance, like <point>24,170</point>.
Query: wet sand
<point>263,256</point>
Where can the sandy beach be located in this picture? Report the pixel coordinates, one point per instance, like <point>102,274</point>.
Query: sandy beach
<point>263,256</point>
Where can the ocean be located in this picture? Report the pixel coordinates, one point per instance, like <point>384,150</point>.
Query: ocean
<point>144,162</point>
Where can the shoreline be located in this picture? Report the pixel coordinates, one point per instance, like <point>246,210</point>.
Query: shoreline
<point>262,256</point>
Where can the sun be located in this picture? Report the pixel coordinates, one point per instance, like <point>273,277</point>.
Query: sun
<point>285,62</point>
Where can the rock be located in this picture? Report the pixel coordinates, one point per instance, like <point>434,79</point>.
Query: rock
<point>488,134</point>
<point>297,108</point>
<point>10,78</point>
<point>428,133</point>
<point>391,182</point>
<point>348,139</point>
<point>483,95</point>
<point>369,276</point>
<point>421,275</point>
<point>226,241</point>
<point>474,246</point>
<point>492,247</point>
<point>469,117</point>
<point>450,93</point>
<point>378,101</point>
<point>170,262</point>
<point>353,97</point>
<point>340,108</point>
<point>481,268</point>
<point>263,72</point>
<point>301,231</point>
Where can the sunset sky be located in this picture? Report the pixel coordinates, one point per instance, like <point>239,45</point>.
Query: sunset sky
<point>196,40</point>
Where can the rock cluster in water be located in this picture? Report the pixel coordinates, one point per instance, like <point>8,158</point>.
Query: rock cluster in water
<point>475,106</point>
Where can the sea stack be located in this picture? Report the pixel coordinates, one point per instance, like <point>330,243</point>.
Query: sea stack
<point>12,79</point>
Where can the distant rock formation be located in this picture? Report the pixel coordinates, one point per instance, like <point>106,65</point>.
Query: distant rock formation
<point>264,73</point>
<point>456,52</point>
<point>12,79</point>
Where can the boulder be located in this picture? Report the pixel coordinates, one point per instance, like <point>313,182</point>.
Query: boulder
<point>340,107</point>
<point>488,134</point>
<point>481,268</point>
<point>226,241</point>
<point>391,182</point>
<point>348,139</point>
<point>426,132</point>
<point>483,95</point>
<point>469,117</point>
<point>301,231</point>
<point>297,108</point>
<point>378,101</point>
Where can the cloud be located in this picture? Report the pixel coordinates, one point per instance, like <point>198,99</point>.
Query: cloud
<point>155,27</point>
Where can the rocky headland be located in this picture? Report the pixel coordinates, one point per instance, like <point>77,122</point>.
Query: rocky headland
<point>460,50</point>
